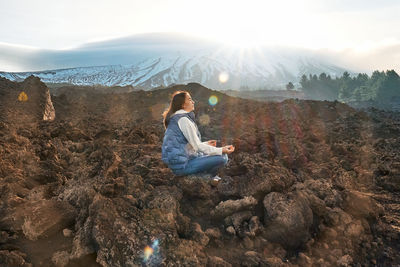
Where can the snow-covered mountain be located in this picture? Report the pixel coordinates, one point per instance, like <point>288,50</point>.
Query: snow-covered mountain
<point>152,60</point>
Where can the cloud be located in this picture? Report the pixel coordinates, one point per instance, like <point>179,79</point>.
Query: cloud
<point>16,58</point>
<point>380,57</point>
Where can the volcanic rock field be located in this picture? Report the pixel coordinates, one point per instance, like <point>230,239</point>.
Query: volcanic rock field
<point>311,183</point>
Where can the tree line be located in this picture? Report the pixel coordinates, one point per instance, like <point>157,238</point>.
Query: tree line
<point>381,86</point>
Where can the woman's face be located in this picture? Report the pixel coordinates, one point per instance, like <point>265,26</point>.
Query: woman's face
<point>189,103</point>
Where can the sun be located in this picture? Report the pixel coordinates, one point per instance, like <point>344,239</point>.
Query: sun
<point>244,42</point>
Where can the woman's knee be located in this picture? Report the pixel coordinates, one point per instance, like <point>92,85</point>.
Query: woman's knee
<point>222,160</point>
<point>225,158</point>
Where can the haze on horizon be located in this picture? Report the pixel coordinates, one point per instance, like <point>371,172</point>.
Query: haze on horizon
<point>365,33</point>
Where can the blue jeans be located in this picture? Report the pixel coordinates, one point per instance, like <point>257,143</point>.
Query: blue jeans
<point>204,164</point>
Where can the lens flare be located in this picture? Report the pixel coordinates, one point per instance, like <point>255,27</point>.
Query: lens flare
<point>213,100</point>
<point>155,244</point>
<point>223,77</point>
<point>151,250</point>
<point>148,251</point>
<point>22,97</point>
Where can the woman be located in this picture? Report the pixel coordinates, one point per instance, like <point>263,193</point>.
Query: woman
<point>182,149</point>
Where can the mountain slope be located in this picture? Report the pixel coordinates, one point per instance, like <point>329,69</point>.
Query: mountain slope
<point>151,60</point>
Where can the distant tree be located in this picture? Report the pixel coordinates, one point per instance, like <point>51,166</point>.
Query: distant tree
<point>289,86</point>
<point>376,75</point>
<point>381,86</point>
<point>319,87</point>
<point>364,93</point>
<point>362,79</point>
<point>327,87</point>
<point>303,81</point>
<point>388,87</point>
<point>314,77</point>
<point>358,94</point>
<point>308,86</point>
<point>346,88</point>
<point>346,75</point>
<point>323,77</point>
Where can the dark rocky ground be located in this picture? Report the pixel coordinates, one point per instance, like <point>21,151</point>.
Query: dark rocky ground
<point>310,183</point>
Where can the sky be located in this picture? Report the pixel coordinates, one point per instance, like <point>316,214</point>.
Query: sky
<point>351,27</point>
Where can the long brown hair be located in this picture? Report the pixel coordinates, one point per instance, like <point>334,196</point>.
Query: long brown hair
<point>177,101</point>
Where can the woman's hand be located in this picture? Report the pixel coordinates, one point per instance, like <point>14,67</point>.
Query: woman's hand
<point>212,142</point>
<point>228,149</point>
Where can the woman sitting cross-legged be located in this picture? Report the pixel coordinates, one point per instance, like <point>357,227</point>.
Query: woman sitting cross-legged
<point>182,149</point>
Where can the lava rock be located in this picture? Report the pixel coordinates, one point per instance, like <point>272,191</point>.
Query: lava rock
<point>288,219</point>
<point>229,207</point>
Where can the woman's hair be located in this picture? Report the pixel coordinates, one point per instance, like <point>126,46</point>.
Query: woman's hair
<point>177,101</point>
